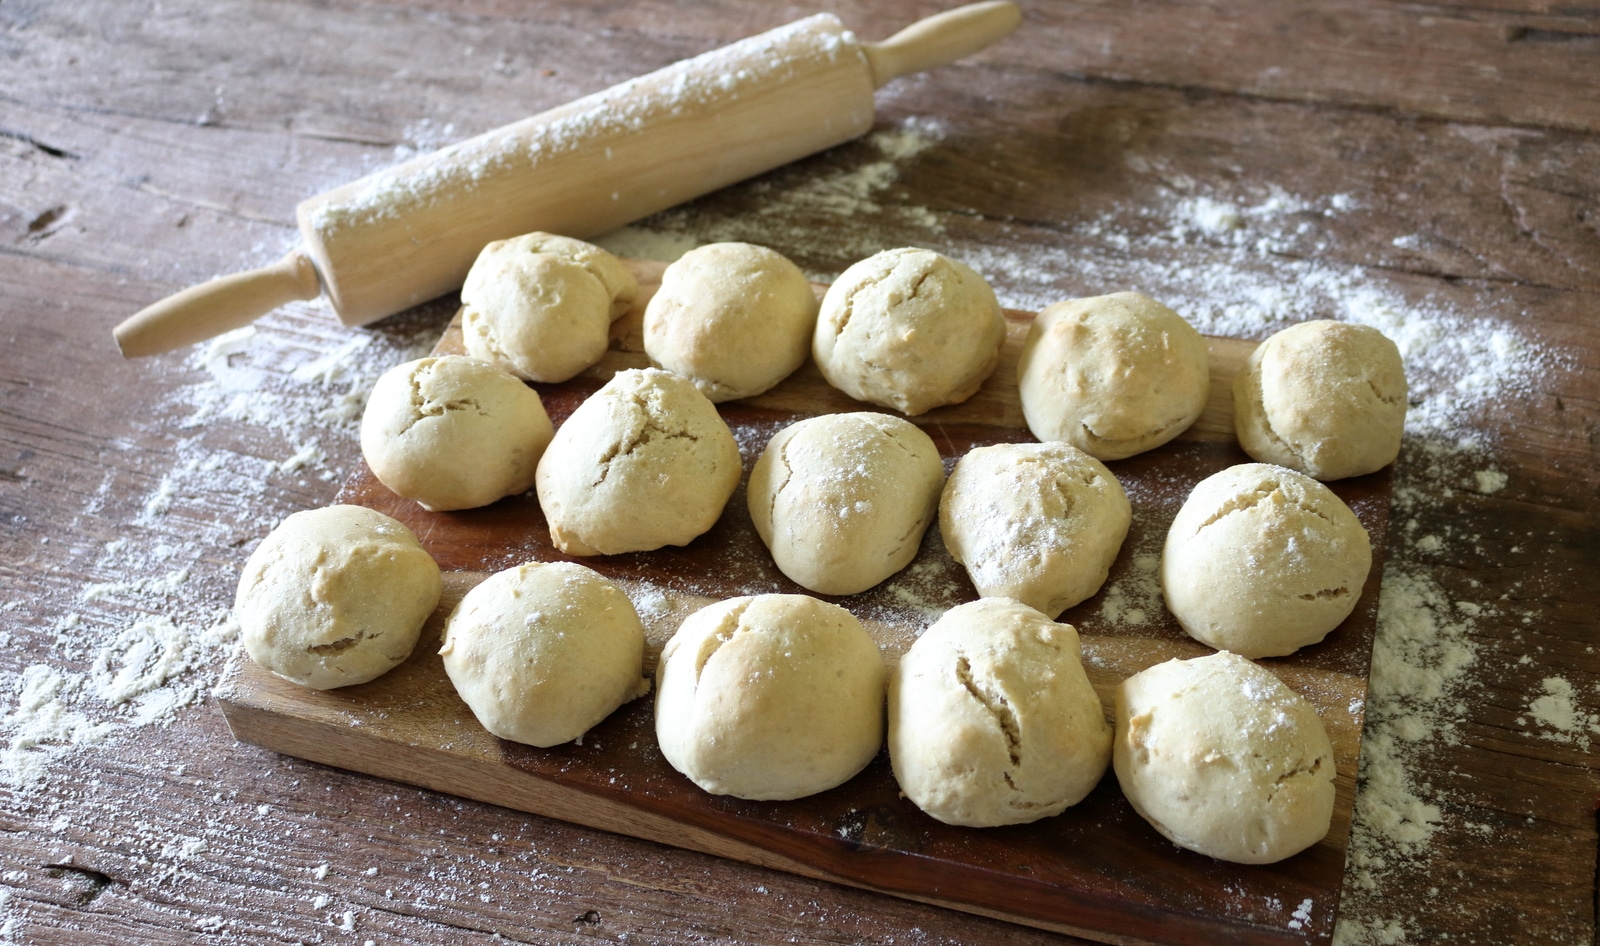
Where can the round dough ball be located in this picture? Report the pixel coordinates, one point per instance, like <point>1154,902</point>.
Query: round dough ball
<point>1224,759</point>
<point>1325,398</point>
<point>1112,375</point>
<point>734,318</point>
<point>992,719</point>
<point>541,315</point>
<point>909,329</point>
<point>1038,522</point>
<point>842,500</point>
<point>543,652</point>
<point>770,697</point>
<point>335,596</point>
<point>453,432</point>
<point>645,461</point>
<point>1262,560</point>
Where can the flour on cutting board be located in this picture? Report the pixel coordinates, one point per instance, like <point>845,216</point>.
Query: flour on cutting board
<point>271,404</point>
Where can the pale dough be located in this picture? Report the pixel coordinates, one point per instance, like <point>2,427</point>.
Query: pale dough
<point>1325,398</point>
<point>645,461</point>
<point>992,719</point>
<point>335,596</point>
<point>1039,522</point>
<point>541,305</point>
<point>543,652</point>
<point>842,500</point>
<point>1224,759</point>
<point>1263,560</point>
<point>734,318</point>
<point>1112,375</point>
<point>770,697</point>
<point>453,432</point>
<point>909,329</point>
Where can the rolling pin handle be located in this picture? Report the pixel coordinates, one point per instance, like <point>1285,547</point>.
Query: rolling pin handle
<point>941,39</point>
<point>211,308</point>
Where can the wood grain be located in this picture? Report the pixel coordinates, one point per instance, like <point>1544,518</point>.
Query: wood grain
<point>1097,870</point>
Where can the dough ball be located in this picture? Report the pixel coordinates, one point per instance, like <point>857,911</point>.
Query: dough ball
<point>1224,759</point>
<point>335,596</point>
<point>1262,560</point>
<point>1325,398</point>
<point>734,318</point>
<point>644,462</point>
<point>770,697</point>
<point>842,500</point>
<point>992,719</point>
<point>909,329</point>
<point>1112,375</point>
<point>453,432</point>
<point>540,306</point>
<point>1038,522</point>
<point>542,652</point>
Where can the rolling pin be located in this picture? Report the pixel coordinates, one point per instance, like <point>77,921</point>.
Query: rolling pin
<point>410,233</point>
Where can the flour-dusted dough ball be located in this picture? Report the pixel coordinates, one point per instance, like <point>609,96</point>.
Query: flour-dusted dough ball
<point>1112,375</point>
<point>541,306</point>
<point>842,500</point>
<point>1263,560</point>
<point>992,719</point>
<point>453,432</point>
<point>770,697</point>
<point>734,318</point>
<point>1038,522</point>
<point>644,462</point>
<point>1223,758</point>
<point>909,329</point>
<point>544,651</point>
<point>1325,398</point>
<point>335,596</point>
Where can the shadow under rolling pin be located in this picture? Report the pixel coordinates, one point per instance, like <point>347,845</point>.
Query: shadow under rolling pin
<point>408,234</point>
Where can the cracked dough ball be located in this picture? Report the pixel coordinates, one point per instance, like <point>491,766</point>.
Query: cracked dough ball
<point>1325,398</point>
<point>770,697</point>
<point>1262,560</point>
<point>1223,758</point>
<point>992,719</point>
<point>1038,522</point>
<point>909,329</point>
<point>645,461</point>
<point>543,652</point>
<point>842,500</point>
<point>1112,375</point>
<point>453,432</point>
<point>335,596</point>
<point>541,305</point>
<point>734,318</point>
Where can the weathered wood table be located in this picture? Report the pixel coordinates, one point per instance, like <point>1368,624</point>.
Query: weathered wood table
<point>1428,170</point>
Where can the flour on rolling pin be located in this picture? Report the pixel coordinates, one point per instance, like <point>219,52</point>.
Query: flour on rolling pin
<point>408,234</point>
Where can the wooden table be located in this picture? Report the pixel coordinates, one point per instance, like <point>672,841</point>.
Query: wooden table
<point>1430,169</point>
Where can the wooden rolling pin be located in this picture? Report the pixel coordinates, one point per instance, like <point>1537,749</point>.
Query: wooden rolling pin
<point>407,234</point>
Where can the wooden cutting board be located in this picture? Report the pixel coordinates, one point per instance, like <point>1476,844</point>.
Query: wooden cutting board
<point>1097,870</point>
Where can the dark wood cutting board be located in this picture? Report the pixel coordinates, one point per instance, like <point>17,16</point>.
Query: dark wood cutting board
<point>1097,870</point>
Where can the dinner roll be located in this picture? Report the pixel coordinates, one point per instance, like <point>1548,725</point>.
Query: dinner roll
<point>770,697</point>
<point>1262,560</point>
<point>1224,759</point>
<point>335,596</point>
<point>992,719</point>
<point>1325,398</point>
<point>908,329</point>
